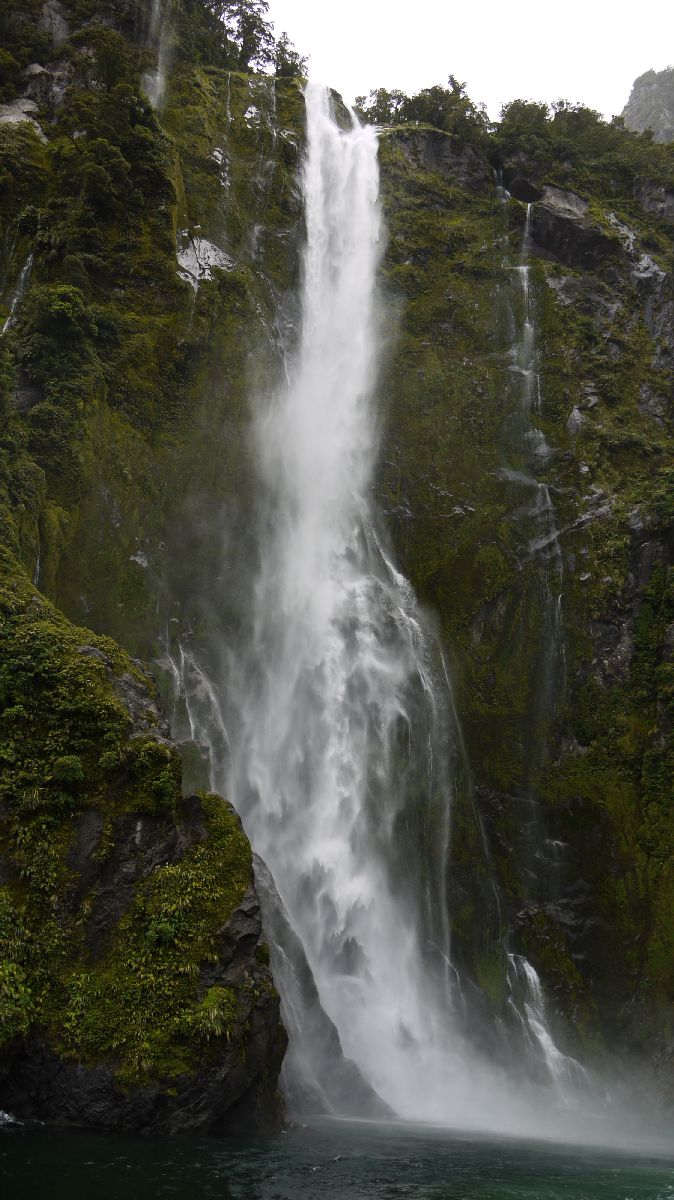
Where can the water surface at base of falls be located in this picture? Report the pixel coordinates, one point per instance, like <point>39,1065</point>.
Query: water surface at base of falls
<point>335,1160</point>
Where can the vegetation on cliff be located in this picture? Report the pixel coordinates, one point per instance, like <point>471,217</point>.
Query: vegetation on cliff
<point>97,384</point>
<point>601,261</point>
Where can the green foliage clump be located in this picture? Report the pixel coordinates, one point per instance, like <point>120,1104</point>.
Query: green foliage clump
<point>237,34</point>
<point>58,331</point>
<point>57,708</point>
<point>574,146</point>
<point>15,1002</point>
<point>24,41</point>
<point>141,1006</point>
<point>214,1016</point>
<point>65,750</point>
<point>449,109</point>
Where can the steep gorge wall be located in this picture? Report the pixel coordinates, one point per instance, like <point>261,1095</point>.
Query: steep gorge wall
<point>135,990</point>
<point>129,483</point>
<point>575,797</point>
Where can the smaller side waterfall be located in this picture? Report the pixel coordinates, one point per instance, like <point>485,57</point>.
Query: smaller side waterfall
<point>545,541</point>
<point>568,1078</point>
<point>18,294</point>
<point>196,722</point>
<point>534,513</point>
<point>525,354</point>
<point>158,39</point>
<point>542,566</point>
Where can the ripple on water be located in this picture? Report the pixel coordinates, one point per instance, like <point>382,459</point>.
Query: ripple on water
<point>335,1160</point>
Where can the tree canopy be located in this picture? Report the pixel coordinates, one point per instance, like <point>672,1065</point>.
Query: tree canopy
<point>239,34</point>
<point>447,108</point>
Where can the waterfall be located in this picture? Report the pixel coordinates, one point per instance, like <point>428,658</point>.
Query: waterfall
<point>568,1078</point>
<point>341,766</point>
<point>529,455</point>
<point>331,723</point>
<point>537,521</point>
<point>157,39</point>
<point>18,294</point>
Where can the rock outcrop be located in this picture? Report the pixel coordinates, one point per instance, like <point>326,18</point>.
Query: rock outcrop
<point>135,991</point>
<point>651,104</point>
<point>318,1077</point>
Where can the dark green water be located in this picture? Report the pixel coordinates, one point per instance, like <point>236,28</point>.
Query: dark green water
<point>331,1159</point>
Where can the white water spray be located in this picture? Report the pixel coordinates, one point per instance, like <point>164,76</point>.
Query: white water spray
<point>568,1078</point>
<point>326,772</point>
<point>158,39</point>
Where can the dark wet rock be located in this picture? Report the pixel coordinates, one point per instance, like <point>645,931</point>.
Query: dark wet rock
<point>652,404</point>
<point>655,198</point>
<point>26,395</point>
<point>562,229</point>
<point>521,175</point>
<point>135,695</point>
<point>318,1077</point>
<point>144,713</point>
<point>433,150</point>
<point>231,1094</point>
<point>232,1086</point>
<point>521,186</point>
<point>141,843</point>
<point>46,85</point>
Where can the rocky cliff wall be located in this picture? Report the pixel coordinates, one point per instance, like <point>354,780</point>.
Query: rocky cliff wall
<point>134,986</point>
<point>651,104</point>
<point>564,707</point>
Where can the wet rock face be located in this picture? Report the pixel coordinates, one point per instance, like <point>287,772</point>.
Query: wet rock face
<point>21,112</point>
<point>317,1077</point>
<point>135,991</point>
<point>232,1085</point>
<point>562,229</point>
<point>655,198</point>
<point>432,150</point>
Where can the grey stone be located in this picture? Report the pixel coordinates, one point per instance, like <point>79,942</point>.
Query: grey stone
<point>651,104</point>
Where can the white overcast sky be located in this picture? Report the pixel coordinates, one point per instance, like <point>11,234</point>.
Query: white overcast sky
<point>587,51</point>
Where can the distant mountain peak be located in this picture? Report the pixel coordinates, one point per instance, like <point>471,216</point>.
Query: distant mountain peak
<point>651,104</point>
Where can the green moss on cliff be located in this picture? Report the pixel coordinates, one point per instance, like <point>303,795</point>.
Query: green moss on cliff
<point>133,999</point>
<point>141,1005</point>
<point>564,738</point>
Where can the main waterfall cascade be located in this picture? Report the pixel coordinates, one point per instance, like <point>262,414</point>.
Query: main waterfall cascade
<point>340,768</point>
<point>333,728</point>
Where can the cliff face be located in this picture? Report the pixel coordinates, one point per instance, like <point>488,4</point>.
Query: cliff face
<point>539,530</point>
<point>134,987</point>
<point>651,104</point>
<point>149,271</point>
